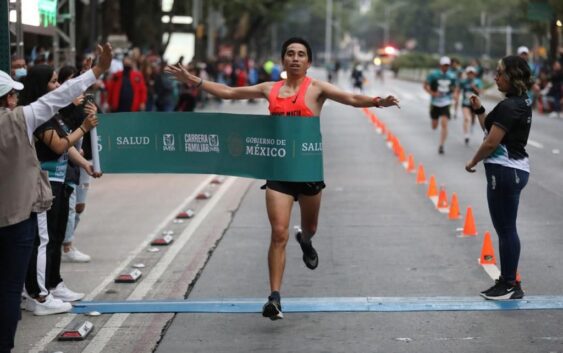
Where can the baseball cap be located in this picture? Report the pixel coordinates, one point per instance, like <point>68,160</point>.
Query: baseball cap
<point>522,50</point>
<point>444,60</point>
<point>470,69</point>
<point>7,84</point>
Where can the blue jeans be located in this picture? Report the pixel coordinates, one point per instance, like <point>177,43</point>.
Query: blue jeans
<point>504,185</point>
<point>16,245</point>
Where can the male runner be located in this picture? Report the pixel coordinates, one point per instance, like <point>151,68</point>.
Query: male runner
<point>440,84</point>
<point>302,96</point>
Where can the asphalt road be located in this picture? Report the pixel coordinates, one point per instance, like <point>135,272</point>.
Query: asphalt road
<point>379,236</point>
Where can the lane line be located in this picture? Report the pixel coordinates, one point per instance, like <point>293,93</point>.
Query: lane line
<point>324,305</point>
<point>67,319</point>
<point>535,144</point>
<point>105,333</point>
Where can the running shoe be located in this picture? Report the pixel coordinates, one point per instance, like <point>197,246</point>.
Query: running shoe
<point>74,255</point>
<point>310,256</point>
<point>62,292</point>
<point>467,141</point>
<point>272,309</point>
<point>503,290</point>
<point>49,306</point>
<point>441,150</point>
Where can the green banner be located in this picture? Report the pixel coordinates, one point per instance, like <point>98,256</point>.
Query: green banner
<point>254,146</point>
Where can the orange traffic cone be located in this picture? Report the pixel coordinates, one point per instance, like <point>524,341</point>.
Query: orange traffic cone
<point>454,208</point>
<point>443,201</point>
<point>469,226</point>
<point>410,164</point>
<point>432,189</point>
<point>487,251</point>
<point>402,157</point>
<point>420,176</point>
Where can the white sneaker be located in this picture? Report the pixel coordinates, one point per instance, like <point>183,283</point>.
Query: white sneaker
<point>50,306</point>
<point>74,255</point>
<point>554,115</point>
<point>66,295</point>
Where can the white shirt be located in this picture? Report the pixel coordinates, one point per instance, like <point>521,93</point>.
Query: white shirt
<point>48,105</point>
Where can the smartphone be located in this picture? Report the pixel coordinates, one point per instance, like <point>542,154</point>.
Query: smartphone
<point>88,98</point>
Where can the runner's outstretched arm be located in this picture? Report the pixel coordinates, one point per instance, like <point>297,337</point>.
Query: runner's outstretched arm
<point>356,100</point>
<point>220,90</point>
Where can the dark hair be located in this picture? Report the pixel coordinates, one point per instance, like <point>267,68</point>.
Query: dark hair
<point>299,40</point>
<point>35,83</point>
<point>66,72</point>
<point>518,74</point>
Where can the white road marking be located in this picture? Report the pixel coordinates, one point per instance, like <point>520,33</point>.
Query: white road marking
<point>105,333</point>
<point>534,143</point>
<point>491,270</point>
<point>40,346</point>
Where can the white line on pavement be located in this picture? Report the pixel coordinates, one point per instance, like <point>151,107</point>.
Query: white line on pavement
<point>40,346</point>
<point>534,144</point>
<point>105,333</point>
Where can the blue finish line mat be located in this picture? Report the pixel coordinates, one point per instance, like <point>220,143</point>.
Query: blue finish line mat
<point>322,305</point>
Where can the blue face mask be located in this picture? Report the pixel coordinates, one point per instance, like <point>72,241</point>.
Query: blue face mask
<point>21,72</point>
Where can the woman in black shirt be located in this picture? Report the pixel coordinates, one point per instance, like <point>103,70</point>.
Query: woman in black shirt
<point>503,153</point>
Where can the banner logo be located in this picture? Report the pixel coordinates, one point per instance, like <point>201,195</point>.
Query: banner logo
<point>168,142</point>
<point>202,143</point>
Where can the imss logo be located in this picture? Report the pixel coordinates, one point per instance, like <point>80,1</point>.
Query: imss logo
<point>168,143</point>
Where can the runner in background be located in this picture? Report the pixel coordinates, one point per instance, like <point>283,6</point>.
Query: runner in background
<point>468,87</point>
<point>440,84</point>
<point>302,96</point>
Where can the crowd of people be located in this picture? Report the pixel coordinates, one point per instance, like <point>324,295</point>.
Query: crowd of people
<point>42,121</point>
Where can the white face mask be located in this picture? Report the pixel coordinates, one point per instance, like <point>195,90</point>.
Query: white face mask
<point>21,72</point>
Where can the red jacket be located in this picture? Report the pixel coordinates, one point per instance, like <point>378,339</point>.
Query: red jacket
<point>113,87</point>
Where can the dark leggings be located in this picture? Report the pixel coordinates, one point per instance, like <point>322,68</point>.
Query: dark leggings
<point>504,185</point>
<point>16,244</point>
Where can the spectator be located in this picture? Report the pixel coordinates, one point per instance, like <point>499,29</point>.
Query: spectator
<point>126,89</point>
<point>46,292</point>
<point>554,93</point>
<point>24,188</point>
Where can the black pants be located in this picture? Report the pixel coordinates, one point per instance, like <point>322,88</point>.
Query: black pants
<point>16,244</point>
<point>57,218</point>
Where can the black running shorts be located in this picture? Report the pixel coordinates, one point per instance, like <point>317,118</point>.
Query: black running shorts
<point>295,188</point>
<point>437,112</point>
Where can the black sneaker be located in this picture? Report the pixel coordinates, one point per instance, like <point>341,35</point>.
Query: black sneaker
<point>272,309</point>
<point>467,141</point>
<point>310,256</point>
<point>441,150</point>
<point>503,290</point>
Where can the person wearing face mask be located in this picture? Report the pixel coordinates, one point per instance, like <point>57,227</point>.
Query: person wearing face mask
<point>19,68</point>
<point>126,89</point>
<point>24,188</point>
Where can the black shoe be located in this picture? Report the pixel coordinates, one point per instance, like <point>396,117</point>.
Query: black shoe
<point>467,141</point>
<point>441,150</point>
<point>503,290</point>
<point>272,309</point>
<point>310,256</point>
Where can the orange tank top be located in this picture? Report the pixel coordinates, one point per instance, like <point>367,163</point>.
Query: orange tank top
<point>291,106</point>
